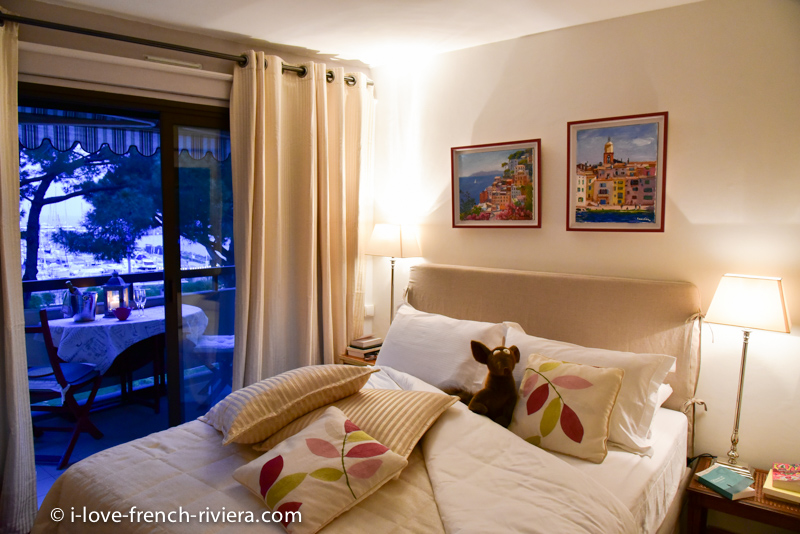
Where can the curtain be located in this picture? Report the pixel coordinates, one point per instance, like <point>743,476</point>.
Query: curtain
<point>17,470</point>
<point>300,149</point>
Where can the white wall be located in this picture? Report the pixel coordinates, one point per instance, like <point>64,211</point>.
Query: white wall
<point>64,59</point>
<point>728,73</point>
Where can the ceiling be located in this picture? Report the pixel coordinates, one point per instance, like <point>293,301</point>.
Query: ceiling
<point>372,31</point>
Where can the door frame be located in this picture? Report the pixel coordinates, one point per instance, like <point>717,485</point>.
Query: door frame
<point>171,115</point>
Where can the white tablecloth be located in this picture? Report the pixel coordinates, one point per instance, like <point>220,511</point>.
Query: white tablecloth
<point>102,340</point>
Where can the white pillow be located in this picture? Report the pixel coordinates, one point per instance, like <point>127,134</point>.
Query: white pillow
<point>638,398</point>
<point>437,349</point>
<point>664,392</point>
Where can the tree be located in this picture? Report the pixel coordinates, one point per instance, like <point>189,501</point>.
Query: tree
<point>125,194</point>
<point>74,172</point>
<point>206,205</point>
<point>467,204</point>
<point>127,205</point>
<point>528,191</point>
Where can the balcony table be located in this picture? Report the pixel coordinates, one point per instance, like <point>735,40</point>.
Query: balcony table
<point>102,340</point>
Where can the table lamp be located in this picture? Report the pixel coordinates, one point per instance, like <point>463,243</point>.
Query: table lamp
<point>749,302</point>
<point>393,241</point>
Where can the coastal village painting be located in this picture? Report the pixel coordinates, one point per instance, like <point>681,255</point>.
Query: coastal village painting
<point>617,175</point>
<point>496,185</point>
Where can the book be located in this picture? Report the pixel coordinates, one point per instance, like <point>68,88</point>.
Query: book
<point>730,485</point>
<point>786,476</point>
<point>367,342</point>
<point>366,354</point>
<point>355,360</point>
<point>776,493</point>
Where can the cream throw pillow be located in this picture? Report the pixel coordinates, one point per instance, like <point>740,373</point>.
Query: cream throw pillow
<point>638,398</point>
<point>396,418</point>
<point>320,472</point>
<point>566,407</point>
<point>253,413</point>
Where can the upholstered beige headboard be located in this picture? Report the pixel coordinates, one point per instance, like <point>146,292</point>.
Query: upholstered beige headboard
<point>593,311</point>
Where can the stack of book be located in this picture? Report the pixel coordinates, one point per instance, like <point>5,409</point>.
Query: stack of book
<point>783,482</point>
<point>365,348</point>
<point>726,482</point>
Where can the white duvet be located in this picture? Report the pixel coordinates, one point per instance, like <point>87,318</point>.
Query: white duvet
<point>486,479</point>
<point>483,478</point>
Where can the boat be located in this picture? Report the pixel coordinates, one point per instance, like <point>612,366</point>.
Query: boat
<point>147,265</point>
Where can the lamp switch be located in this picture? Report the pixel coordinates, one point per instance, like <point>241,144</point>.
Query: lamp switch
<point>369,310</point>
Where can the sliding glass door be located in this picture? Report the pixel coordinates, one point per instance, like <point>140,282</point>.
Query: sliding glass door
<point>204,269</point>
<point>141,187</point>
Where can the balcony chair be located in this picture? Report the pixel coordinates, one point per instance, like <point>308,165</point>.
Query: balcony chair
<point>214,351</point>
<point>138,355</point>
<point>216,354</point>
<point>62,380</point>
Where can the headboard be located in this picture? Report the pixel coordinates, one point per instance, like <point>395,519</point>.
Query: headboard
<point>593,311</point>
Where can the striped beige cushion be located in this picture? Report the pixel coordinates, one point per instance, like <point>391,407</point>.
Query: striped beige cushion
<point>251,414</point>
<point>396,418</point>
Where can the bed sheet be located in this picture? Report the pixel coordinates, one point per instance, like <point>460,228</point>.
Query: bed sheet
<point>647,486</point>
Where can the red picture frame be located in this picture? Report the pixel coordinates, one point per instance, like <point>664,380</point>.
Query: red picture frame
<point>616,173</point>
<point>497,185</point>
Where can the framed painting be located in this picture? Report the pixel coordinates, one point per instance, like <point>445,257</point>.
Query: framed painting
<point>616,173</point>
<point>497,185</point>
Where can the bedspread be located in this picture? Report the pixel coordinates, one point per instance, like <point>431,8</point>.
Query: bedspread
<point>188,468</point>
<point>468,475</point>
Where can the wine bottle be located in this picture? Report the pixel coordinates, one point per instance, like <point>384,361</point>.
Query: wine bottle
<point>75,300</point>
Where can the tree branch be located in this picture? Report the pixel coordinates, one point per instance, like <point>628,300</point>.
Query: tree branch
<point>68,168</point>
<point>29,181</point>
<point>82,192</point>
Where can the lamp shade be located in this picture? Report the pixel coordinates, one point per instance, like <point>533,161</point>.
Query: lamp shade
<point>750,302</point>
<point>393,240</point>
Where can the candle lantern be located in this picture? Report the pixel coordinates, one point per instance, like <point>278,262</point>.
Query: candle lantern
<point>117,294</point>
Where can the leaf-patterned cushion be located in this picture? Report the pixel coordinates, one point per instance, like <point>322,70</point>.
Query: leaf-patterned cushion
<point>320,472</point>
<point>566,407</point>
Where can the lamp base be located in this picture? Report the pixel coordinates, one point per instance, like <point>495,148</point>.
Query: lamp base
<point>739,467</point>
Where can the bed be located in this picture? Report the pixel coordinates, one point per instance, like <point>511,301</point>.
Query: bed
<point>465,473</point>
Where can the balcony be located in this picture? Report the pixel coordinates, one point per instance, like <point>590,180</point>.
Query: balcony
<point>206,379</point>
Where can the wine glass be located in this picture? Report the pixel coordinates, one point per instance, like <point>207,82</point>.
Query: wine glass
<point>137,298</point>
<point>140,297</point>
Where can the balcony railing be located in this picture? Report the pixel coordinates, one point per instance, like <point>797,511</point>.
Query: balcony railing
<point>59,284</point>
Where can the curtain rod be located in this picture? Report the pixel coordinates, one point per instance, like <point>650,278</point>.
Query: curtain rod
<point>240,60</point>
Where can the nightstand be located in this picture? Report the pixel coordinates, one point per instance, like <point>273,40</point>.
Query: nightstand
<point>347,359</point>
<point>759,508</point>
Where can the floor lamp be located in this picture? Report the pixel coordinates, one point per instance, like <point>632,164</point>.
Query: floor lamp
<point>749,302</point>
<point>393,241</point>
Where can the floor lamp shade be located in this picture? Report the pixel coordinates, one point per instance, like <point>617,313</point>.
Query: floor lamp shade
<point>394,241</point>
<point>750,302</point>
